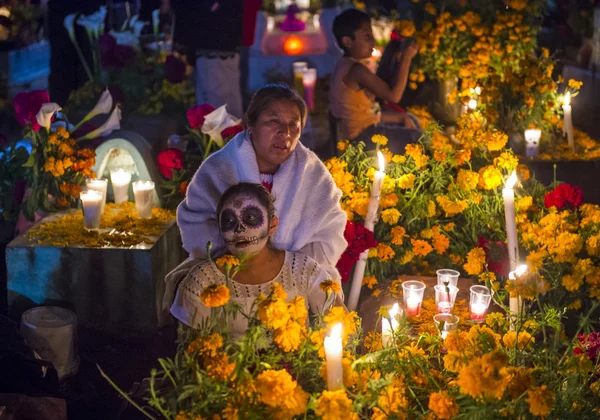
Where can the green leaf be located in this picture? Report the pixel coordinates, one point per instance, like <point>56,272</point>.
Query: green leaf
<point>30,161</point>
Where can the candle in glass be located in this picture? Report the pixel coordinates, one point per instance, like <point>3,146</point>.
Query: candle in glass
<point>568,121</point>
<point>444,298</point>
<point>120,182</point>
<point>91,202</point>
<point>532,140</point>
<point>333,356</point>
<point>413,291</point>
<point>481,297</point>
<point>446,275</point>
<point>309,81</point>
<point>445,323</point>
<point>299,68</point>
<point>508,194</point>
<point>143,192</point>
<point>515,299</point>
<point>387,328</point>
<point>100,185</point>
<point>370,218</point>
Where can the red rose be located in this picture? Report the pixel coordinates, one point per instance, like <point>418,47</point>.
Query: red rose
<point>196,114</point>
<point>359,239</point>
<point>231,131</point>
<point>564,195</point>
<point>27,105</point>
<point>170,160</point>
<point>496,256</point>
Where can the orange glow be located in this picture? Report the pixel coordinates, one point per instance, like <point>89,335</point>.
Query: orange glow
<point>293,46</point>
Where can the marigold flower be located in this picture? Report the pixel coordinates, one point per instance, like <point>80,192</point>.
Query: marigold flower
<point>278,291</point>
<point>391,216</point>
<point>421,247</point>
<point>349,320</point>
<point>489,178</point>
<point>388,200</point>
<point>443,405</point>
<point>484,376</point>
<point>541,400</point>
<point>495,320</point>
<point>273,386</point>
<point>219,367</point>
<point>440,243</point>
<point>289,337</point>
<point>430,208</point>
<point>297,310</point>
<point>475,261</point>
<point>391,401</point>
<point>215,295</point>
<point>523,172</point>
<point>372,341</point>
<point>334,405</point>
<point>397,233</point>
<point>227,259</point>
<point>206,346</point>
<point>369,281</point>
<point>273,313</point>
<point>467,180</point>
<point>384,252</point>
<point>406,181</point>
<point>342,145</point>
<point>521,340</point>
<point>379,139</point>
<point>451,208</point>
<point>518,380</point>
<point>330,286</point>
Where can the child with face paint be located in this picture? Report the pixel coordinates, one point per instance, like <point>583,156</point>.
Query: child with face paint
<point>247,221</point>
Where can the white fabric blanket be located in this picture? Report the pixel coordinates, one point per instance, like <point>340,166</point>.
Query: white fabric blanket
<point>307,202</point>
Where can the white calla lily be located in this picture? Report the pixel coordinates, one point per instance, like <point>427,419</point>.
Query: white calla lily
<point>103,106</point>
<point>125,38</point>
<point>69,23</point>
<point>216,122</point>
<point>94,23</point>
<point>44,115</point>
<point>112,123</point>
<point>155,20</point>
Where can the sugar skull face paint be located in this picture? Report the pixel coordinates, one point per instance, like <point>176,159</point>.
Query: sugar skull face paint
<point>244,225</point>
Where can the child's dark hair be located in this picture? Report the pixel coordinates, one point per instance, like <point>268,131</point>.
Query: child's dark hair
<point>263,196</point>
<point>348,22</point>
<point>263,97</point>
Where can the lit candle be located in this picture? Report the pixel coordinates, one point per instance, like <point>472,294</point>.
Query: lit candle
<point>511,222</point>
<point>447,276</point>
<point>309,80</point>
<point>413,291</point>
<point>387,328</point>
<point>445,323</point>
<point>481,297</point>
<point>99,185</point>
<point>515,300</point>
<point>91,205</point>
<point>299,68</point>
<point>120,182</point>
<point>143,192</point>
<point>478,312</point>
<point>370,219</point>
<point>532,142</point>
<point>445,297</point>
<point>472,104</point>
<point>373,61</point>
<point>333,356</point>
<point>568,121</point>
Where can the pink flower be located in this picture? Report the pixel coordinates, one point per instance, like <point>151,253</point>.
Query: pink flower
<point>27,105</point>
<point>196,114</point>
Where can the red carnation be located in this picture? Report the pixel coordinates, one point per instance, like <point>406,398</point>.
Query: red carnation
<point>170,160</point>
<point>27,105</point>
<point>196,114</point>
<point>396,35</point>
<point>564,195</point>
<point>496,256</point>
<point>359,239</point>
<point>231,131</point>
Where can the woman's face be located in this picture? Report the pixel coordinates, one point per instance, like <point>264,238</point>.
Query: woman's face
<point>244,225</point>
<point>276,134</point>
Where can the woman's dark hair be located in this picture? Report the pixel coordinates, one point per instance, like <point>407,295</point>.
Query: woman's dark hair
<point>263,196</point>
<point>348,22</point>
<point>263,97</point>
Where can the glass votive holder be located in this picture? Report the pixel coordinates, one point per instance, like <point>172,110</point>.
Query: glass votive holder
<point>481,296</point>
<point>446,323</point>
<point>100,185</point>
<point>91,204</point>
<point>444,298</point>
<point>120,180</point>
<point>143,192</point>
<point>532,141</point>
<point>413,291</point>
<point>299,68</point>
<point>387,327</point>
<point>309,80</point>
<point>446,275</point>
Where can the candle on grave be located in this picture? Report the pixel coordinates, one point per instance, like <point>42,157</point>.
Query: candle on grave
<point>413,291</point>
<point>508,194</point>
<point>91,202</point>
<point>100,185</point>
<point>370,219</point>
<point>515,300</point>
<point>532,141</point>
<point>309,81</point>
<point>481,296</point>
<point>299,68</point>
<point>120,182</point>
<point>333,356</point>
<point>387,327</point>
<point>143,192</point>
<point>568,121</point>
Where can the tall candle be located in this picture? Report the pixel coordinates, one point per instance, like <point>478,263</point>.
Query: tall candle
<point>568,121</point>
<point>99,185</point>
<point>359,269</point>
<point>333,356</point>
<point>515,301</point>
<point>91,205</point>
<point>143,192</point>
<point>387,328</point>
<point>120,182</point>
<point>309,81</point>
<point>511,221</point>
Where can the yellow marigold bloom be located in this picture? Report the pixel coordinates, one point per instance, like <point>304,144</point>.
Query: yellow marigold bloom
<point>206,346</point>
<point>278,290</point>
<point>518,380</point>
<point>489,178</point>
<point>421,247</point>
<point>406,258</point>
<point>379,139</point>
<point>289,337</point>
<point>293,405</point>
<point>467,180</point>
<point>397,233</point>
<point>388,200</point>
<point>64,188</point>
<point>440,243</point>
<point>334,405</point>
<point>405,28</point>
<point>384,252</point>
<point>342,145</point>
<point>330,286</point>
<point>273,386</point>
<point>524,203</point>
<point>215,295</point>
<point>297,310</point>
<point>451,208</point>
<point>369,281</point>
<point>506,160</point>
<point>522,340</point>
<point>462,157</point>
<point>456,341</point>
<point>273,313</point>
<point>390,216</point>
<point>431,209</point>
<point>483,376</point>
<point>430,8</point>
<point>592,245</point>
<point>349,320</point>
<point>449,226</point>
<point>495,320</point>
<point>443,405</point>
<point>535,261</point>
<point>184,415</point>
<point>454,361</point>
<point>574,84</point>
<point>391,402</point>
<point>523,172</point>
<point>571,283</point>
<point>489,278</point>
<point>227,259</point>
<point>595,387</point>
<point>398,159</point>
<point>373,342</point>
<point>541,400</point>
<point>482,337</point>
<point>576,305</point>
<point>406,181</point>
<point>219,367</point>
<point>496,141</point>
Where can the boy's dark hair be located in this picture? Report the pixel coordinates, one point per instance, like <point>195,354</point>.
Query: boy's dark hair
<point>348,22</point>
<point>269,93</point>
<point>263,196</point>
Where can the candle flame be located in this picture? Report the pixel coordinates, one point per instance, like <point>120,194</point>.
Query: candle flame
<point>519,271</point>
<point>512,180</point>
<point>477,90</point>
<point>395,310</point>
<point>376,53</point>
<point>336,331</point>
<point>472,104</point>
<point>381,159</point>
<point>567,99</point>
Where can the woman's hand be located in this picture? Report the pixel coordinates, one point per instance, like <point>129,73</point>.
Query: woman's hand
<point>411,50</point>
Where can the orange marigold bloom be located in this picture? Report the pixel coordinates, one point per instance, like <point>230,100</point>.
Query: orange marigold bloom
<point>215,295</point>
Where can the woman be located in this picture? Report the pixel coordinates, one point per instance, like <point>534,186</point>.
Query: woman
<point>311,220</point>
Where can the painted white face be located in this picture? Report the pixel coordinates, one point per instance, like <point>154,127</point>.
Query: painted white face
<point>244,225</point>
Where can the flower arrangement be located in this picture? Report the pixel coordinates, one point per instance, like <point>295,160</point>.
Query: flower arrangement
<point>20,24</point>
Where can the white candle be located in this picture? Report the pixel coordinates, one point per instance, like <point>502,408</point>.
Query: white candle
<point>387,328</point>
<point>511,222</point>
<point>143,192</point>
<point>532,142</point>
<point>333,356</point>
<point>100,185</point>
<point>91,205</point>
<point>370,219</point>
<point>568,121</point>
<point>413,305</point>
<point>515,302</point>
<point>478,311</point>
<point>120,182</point>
